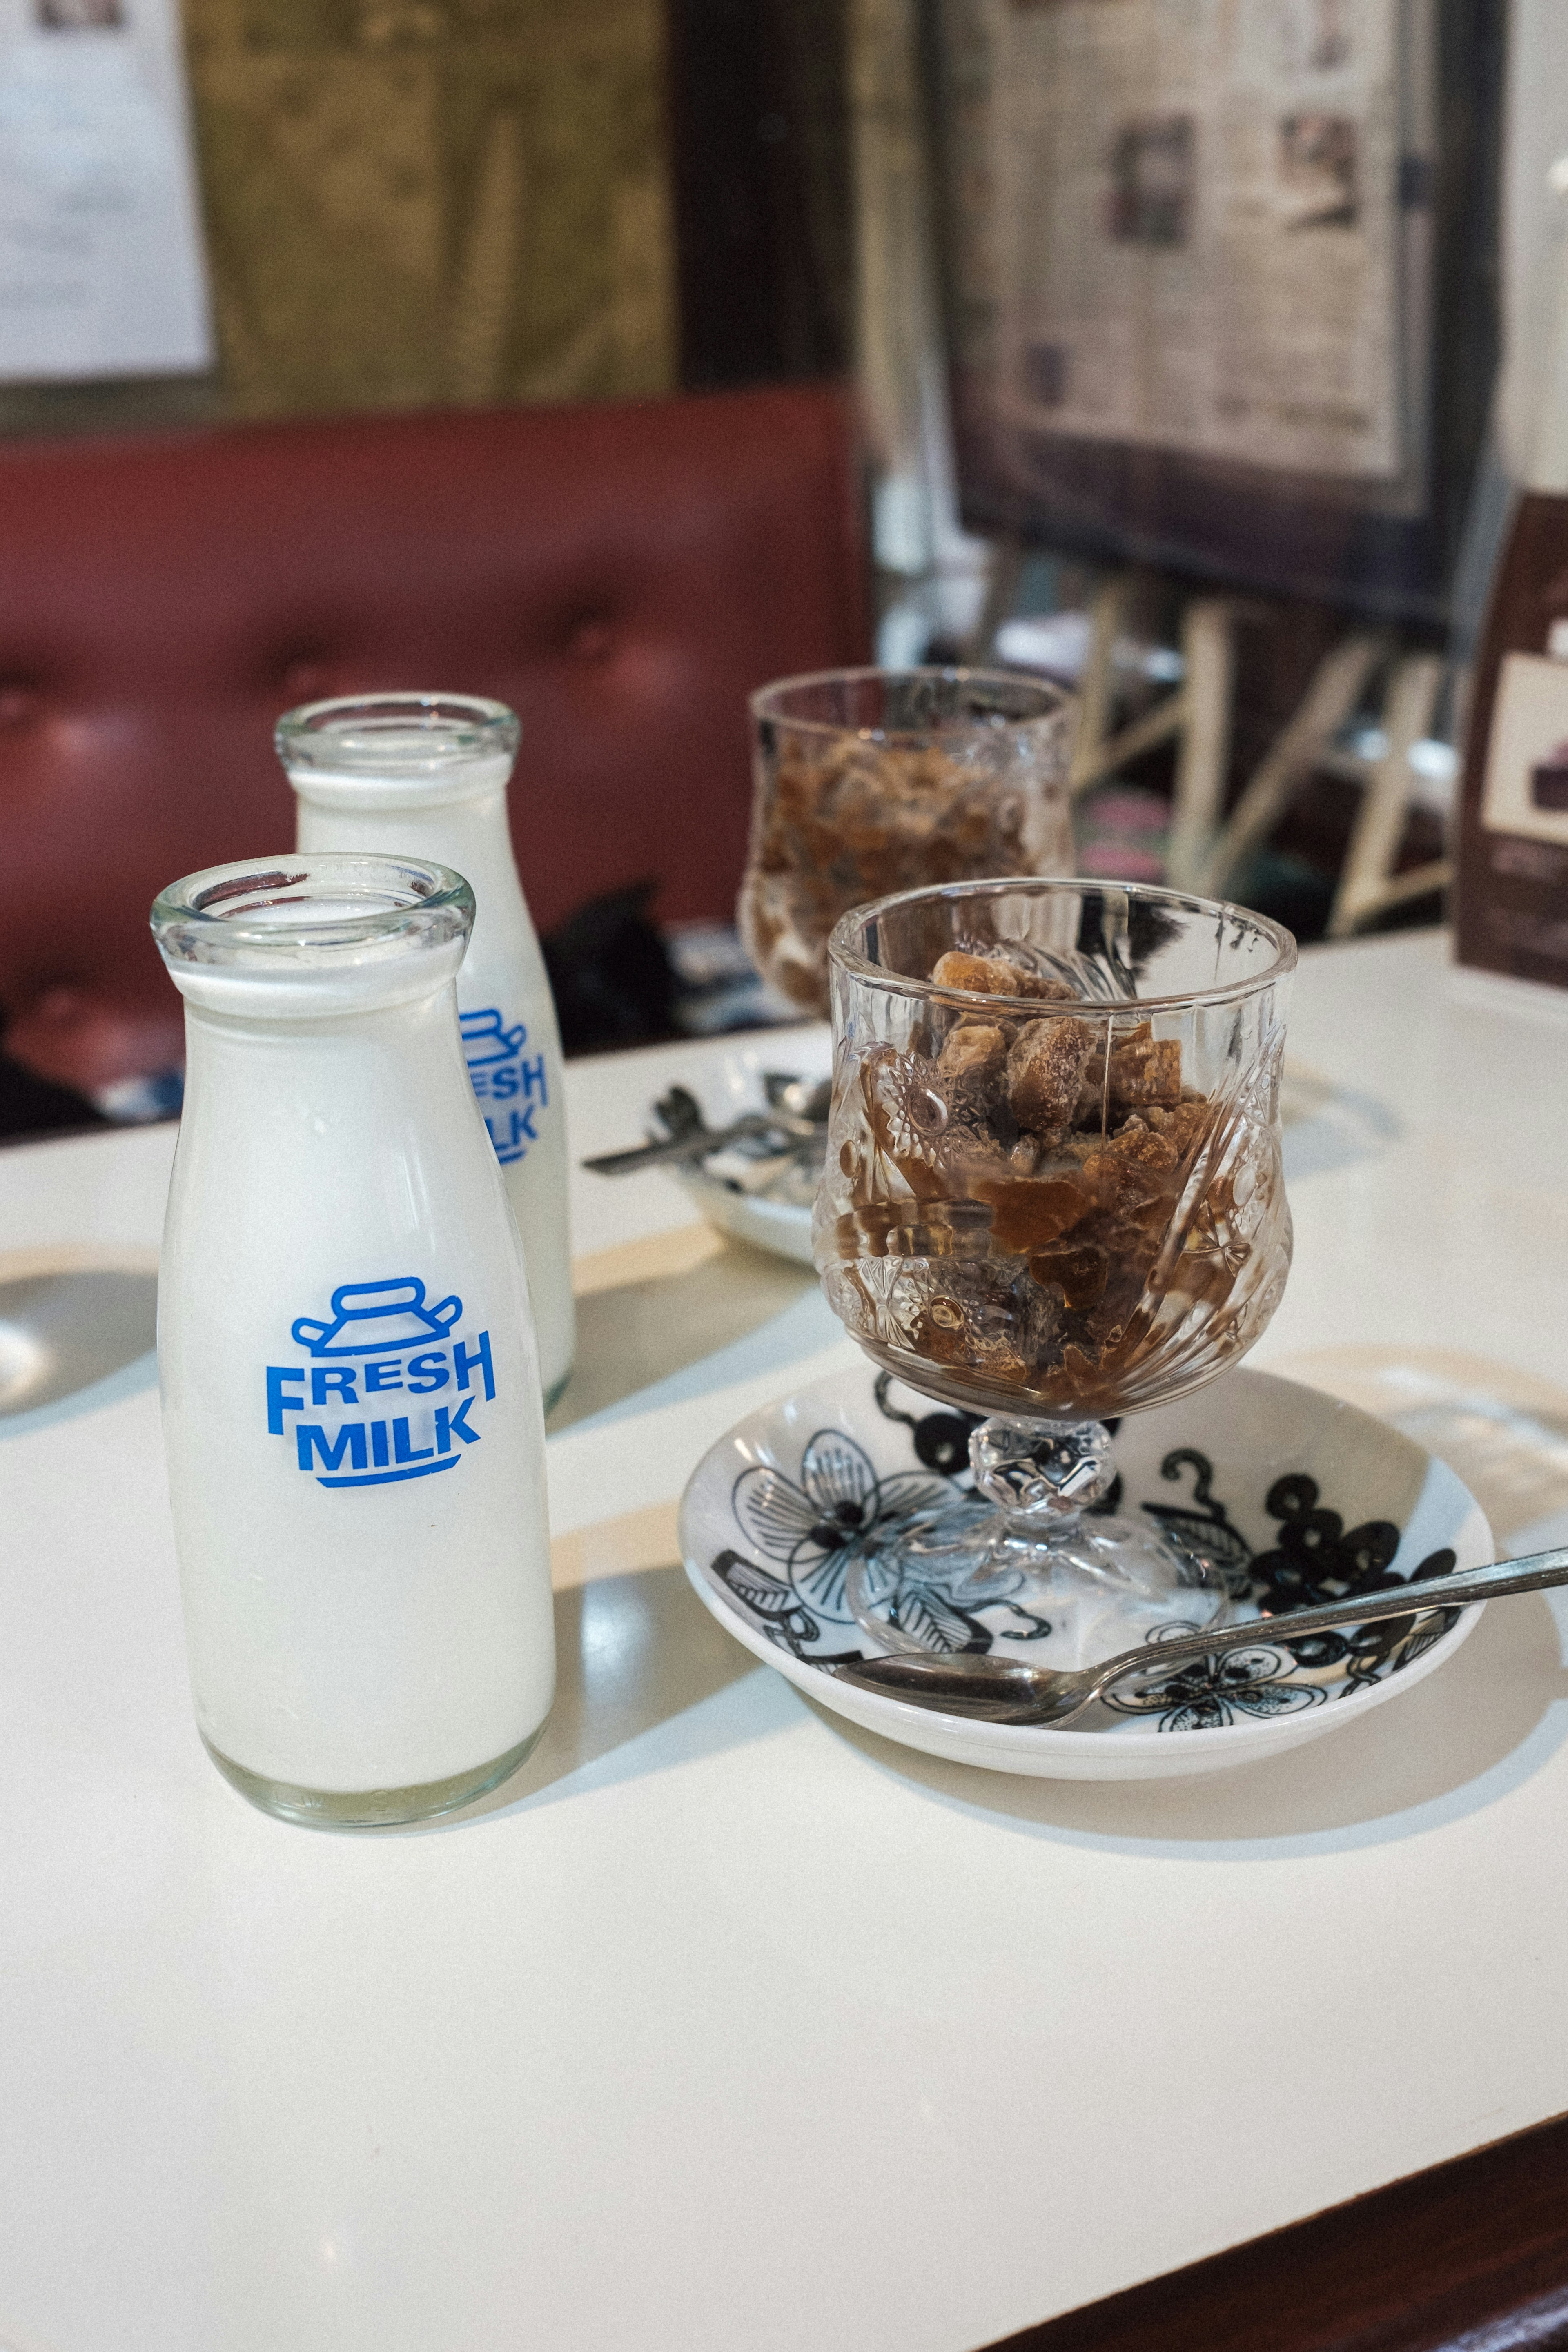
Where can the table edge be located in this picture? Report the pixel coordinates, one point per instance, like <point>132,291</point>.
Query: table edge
<point>1422,2264</point>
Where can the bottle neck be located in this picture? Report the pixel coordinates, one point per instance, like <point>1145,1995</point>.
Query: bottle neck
<point>328,1095</point>
<point>290,1002</point>
<point>470,833</point>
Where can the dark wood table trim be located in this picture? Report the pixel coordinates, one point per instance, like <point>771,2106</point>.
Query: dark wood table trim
<point>1470,2257</point>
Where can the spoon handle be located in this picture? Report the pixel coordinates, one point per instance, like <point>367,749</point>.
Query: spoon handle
<point>1529,1575</point>
<point>682,1147</point>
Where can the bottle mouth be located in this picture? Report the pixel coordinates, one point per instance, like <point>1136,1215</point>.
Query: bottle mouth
<point>397,737</point>
<point>311,914</point>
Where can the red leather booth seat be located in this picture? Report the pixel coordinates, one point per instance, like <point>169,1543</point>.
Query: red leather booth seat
<point>622,575</point>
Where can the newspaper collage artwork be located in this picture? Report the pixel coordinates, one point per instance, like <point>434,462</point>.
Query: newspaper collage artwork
<point>1198,227</point>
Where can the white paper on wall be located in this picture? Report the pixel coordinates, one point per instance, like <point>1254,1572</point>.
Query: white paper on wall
<point>101,271</point>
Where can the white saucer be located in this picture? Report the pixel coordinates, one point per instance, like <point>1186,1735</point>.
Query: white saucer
<point>1282,1482</point>
<point>782,1226</point>
<point>732,1085</point>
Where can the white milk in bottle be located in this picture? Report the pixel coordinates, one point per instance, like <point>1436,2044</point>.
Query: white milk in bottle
<point>351,1390</point>
<point>426,773</point>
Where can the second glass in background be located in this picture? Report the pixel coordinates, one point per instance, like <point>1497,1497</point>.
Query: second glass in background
<point>869,782</point>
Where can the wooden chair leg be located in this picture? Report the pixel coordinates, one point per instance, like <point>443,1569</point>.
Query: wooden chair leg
<point>1208,651</point>
<point>1097,687</point>
<point>1334,693</point>
<point>1367,876</point>
<point>1008,556</point>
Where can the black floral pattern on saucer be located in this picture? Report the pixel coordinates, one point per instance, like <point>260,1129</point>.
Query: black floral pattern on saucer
<point>1315,1561</point>
<point>808,1528</point>
<point>1203,1527</point>
<point>838,1508</point>
<point>1214,1691</point>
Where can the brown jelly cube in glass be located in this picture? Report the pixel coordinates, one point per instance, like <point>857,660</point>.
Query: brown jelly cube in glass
<point>994,976</point>
<point>1045,1068</point>
<point>1029,1213</point>
<point>974,1059</point>
<point>1079,1273</point>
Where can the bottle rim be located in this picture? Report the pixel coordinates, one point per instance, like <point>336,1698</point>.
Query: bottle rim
<point>396,737</point>
<point>257,911</point>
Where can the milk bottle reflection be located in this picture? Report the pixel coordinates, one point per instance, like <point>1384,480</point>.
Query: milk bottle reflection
<point>426,775</point>
<point>351,1390</point>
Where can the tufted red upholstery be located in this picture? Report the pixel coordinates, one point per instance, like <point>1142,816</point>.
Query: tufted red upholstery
<point>622,576</point>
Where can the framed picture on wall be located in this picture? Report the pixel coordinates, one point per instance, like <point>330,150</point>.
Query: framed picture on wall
<point>1214,301</point>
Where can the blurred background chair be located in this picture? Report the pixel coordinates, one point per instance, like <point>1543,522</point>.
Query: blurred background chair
<point>623,575</point>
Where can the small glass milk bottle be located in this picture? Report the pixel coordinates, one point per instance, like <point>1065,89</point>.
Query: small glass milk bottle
<point>350,1388</point>
<point>427,774</point>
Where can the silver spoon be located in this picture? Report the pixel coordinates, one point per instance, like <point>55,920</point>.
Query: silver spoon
<point>797,1108</point>
<point>1006,1690</point>
<point>799,1104</point>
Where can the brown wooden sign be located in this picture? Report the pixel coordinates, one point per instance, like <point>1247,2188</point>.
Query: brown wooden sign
<point>1512,898</point>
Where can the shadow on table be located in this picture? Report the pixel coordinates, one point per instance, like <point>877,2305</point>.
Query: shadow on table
<point>72,1341</point>
<point>1329,1126</point>
<point>1477,1728</point>
<point>637,1333</point>
<point>642,1673</point>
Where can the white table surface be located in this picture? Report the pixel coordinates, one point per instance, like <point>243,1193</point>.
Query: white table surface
<point>724,2024</point>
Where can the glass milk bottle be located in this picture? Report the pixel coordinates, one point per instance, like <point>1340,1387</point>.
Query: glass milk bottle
<point>427,774</point>
<point>351,1390</point>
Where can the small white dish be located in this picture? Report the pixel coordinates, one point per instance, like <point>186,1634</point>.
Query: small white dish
<point>731,1085</point>
<point>1299,1495</point>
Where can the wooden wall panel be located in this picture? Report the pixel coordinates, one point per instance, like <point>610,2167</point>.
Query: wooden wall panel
<point>417,202</point>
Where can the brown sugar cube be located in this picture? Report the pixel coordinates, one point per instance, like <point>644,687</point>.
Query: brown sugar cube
<point>994,976</point>
<point>971,1158</point>
<point>1079,1273</point>
<point>1045,1069</point>
<point>1148,1073</point>
<point>1143,1069</point>
<point>1080,1148</point>
<point>1133,1168</point>
<point>1139,1144</point>
<point>1183,1126</point>
<point>1029,1213</point>
<point>975,1058</point>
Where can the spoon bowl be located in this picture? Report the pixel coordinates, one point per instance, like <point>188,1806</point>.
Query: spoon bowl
<point>801,1104</point>
<point>797,1112</point>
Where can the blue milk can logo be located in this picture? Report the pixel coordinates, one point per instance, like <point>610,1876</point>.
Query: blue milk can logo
<point>381,1340</point>
<point>509,1083</point>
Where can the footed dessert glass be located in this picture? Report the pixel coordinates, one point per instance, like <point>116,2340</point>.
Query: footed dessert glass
<point>871,781</point>
<point>1053,1195</point>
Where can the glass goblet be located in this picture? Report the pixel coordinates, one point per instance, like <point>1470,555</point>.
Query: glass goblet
<point>1053,1195</point>
<point>871,780</point>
